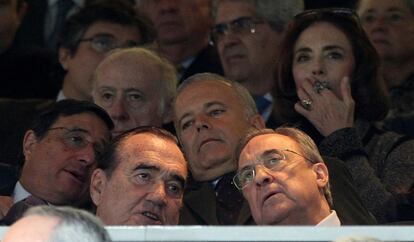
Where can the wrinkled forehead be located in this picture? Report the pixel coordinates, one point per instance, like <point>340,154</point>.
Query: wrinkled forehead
<point>229,10</point>
<point>204,90</point>
<point>160,152</point>
<point>385,5</point>
<point>259,145</point>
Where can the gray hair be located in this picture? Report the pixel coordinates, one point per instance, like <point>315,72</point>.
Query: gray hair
<point>278,13</point>
<point>169,75</point>
<point>244,96</point>
<point>306,145</point>
<point>73,224</point>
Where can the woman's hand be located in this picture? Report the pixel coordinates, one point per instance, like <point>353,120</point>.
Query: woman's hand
<point>326,111</point>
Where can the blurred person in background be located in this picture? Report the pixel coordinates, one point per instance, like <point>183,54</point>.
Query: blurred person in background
<point>136,87</point>
<point>390,27</point>
<point>183,29</point>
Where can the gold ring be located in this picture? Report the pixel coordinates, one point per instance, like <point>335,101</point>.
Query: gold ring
<point>306,103</point>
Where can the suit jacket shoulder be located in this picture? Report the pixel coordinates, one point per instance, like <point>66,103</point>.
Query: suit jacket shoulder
<point>207,60</point>
<point>346,201</point>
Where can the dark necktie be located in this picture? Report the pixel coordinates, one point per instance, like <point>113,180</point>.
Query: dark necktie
<point>18,209</point>
<point>261,103</point>
<point>229,201</point>
<point>63,7</point>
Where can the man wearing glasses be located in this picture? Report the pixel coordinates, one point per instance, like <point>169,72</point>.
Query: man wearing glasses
<point>60,151</point>
<point>89,34</point>
<point>247,35</point>
<point>209,125</point>
<point>284,179</point>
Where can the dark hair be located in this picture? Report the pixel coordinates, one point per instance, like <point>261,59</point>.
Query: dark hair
<point>109,160</point>
<point>119,12</point>
<point>65,108</point>
<point>368,88</point>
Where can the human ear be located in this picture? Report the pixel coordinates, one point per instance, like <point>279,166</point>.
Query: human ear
<point>97,186</point>
<point>322,175</point>
<point>257,121</point>
<point>65,56</point>
<point>29,143</point>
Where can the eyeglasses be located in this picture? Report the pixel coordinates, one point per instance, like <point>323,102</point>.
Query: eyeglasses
<point>77,139</point>
<point>103,43</point>
<point>336,12</point>
<point>243,25</point>
<point>246,175</point>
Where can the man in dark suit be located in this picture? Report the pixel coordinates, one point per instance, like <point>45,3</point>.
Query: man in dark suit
<point>247,35</point>
<point>140,179</point>
<point>59,156</point>
<point>211,115</point>
<point>183,34</point>
<point>43,17</point>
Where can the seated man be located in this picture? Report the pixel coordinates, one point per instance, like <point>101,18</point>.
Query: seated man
<point>284,179</point>
<point>211,115</point>
<point>59,152</point>
<point>136,87</point>
<point>140,179</point>
<point>63,224</point>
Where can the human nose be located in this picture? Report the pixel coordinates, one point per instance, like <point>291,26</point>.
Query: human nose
<point>379,24</point>
<point>157,194</point>
<point>318,67</point>
<point>228,37</point>
<point>118,110</point>
<point>87,155</point>
<point>262,176</point>
<point>201,122</point>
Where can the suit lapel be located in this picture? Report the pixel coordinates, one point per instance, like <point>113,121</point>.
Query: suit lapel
<point>203,203</point>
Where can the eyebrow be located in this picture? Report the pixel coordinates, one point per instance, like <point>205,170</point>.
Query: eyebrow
<point>325,48</point>
<point>332,47</point>
<point>132,89</point>
<point>391,9</point>
<point>174,176</point>
<point>104,34</point>
<point>147,167</point>
<point>267,153</point>
<point>78,130</point>
<point>205,106</point>
<point>395,9</point>
<point>178,178</point>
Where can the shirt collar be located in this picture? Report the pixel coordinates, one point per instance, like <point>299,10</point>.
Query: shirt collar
<point>331,220</point>
<point>19,193</point>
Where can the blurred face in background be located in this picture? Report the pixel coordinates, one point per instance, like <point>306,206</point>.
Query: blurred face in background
<point>245,56</point>
<point>130,89</point>
<point>390,27</point>
<point>98,40</point>
<point>178,21</point>
<point>10,19</point>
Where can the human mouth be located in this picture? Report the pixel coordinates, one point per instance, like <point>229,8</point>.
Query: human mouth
<point>207,141</point>
<point>270,195</point>
<point>152,217</point>
<point>78,175</point>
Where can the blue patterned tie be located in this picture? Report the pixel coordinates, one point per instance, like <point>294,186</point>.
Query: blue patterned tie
<point>261,103</point>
